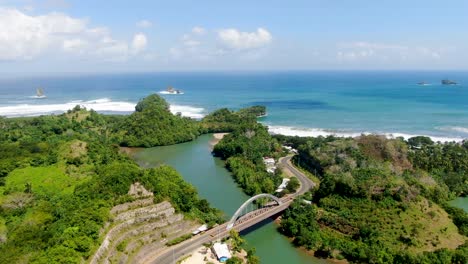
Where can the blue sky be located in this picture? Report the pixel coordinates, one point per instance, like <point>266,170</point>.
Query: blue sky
<point>54,36</point>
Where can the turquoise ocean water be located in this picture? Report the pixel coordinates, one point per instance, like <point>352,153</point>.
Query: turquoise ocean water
<point>300,103</point>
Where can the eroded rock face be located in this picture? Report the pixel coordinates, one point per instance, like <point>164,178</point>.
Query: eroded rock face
<point>139,228</point>
<point>137,190</point>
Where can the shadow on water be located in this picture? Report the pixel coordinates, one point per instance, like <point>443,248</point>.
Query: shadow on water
<point>259,225</point>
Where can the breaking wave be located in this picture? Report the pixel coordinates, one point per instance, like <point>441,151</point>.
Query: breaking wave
<point>315,132</point>
<point>188,111</point>
<point>105,105</point>
<point>166,92</point>
<point>463,130</point>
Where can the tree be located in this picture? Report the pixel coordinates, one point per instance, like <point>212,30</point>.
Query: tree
<point>236,240</point>
<point>234,260</point>
<point>419,141</point>
<point>251,258</point>
<point>293,184</point>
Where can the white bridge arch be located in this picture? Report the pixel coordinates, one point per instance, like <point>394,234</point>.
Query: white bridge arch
<point>238,213</point>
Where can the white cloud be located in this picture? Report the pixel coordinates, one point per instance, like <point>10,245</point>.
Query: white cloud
<point>26,37</point>
<point>234,39</point>
<point>198,30</point>
<point>139,43</point>
<point>373,46</point>
<point>74,45</point>
<point>144,24</point>
<point>191,43</point>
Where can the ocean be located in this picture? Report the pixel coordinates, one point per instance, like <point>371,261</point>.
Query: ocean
<point>344,103</point>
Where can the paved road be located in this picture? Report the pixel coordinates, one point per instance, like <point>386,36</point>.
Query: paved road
<point>171,254</point>
<point>306,183</point>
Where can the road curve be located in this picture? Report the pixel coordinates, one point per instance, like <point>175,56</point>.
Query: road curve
<point>306,183</point>
<point>171,254</point>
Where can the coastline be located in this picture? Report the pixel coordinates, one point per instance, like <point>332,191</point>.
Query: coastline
<point>316,132</point>
<point>108,106</point>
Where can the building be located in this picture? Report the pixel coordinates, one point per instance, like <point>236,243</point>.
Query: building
<point>221,251</point>
<point>283,185</point>
<point>269,164</point>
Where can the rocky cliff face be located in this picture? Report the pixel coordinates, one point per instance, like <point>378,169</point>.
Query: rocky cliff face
<point>139,228</point>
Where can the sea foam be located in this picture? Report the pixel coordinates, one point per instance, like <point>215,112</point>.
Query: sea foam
<point>166,92</point>
<point>315,132</point>
<point>99,105</point>
<point>188,111</point>
<point>459,129</point>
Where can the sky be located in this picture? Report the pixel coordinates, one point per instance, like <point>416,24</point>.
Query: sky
<point>70,36</point>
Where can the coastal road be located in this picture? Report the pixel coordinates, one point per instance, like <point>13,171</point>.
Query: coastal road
<point>171,254</point>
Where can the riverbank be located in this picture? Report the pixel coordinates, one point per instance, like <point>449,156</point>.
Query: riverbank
<point>217,138</point>
<point>130,151</point>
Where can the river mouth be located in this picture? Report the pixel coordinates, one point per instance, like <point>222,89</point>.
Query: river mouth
<point>194,161</point>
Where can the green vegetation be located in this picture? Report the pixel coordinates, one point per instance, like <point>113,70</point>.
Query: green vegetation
<point>225,120</point>
<point>445,162</point>
<point>152,124</point>
<point>379,201</point>
<point>237,245</point>
<point>178,240</point>
<point>234,260</point>
<point>236,240</point>
<point>60,175</point>
<point>243,150</point>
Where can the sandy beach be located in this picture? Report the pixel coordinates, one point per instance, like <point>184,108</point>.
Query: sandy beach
<point>216,138</point>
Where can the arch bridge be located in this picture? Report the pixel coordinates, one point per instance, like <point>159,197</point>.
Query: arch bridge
<point>244,208</point>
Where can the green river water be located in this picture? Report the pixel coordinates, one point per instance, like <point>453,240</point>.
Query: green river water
<point>460,202</point>
<point>196,164</point>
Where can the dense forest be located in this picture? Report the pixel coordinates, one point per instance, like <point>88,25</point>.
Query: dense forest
<point>225,120</point>
<point>152,124</point>
<point>244,148</point>
<point>60,175</point>
<point>381,200</point>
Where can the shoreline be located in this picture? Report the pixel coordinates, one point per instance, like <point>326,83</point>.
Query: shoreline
<point>130,151</point>
<point>316,132</point>
<point>217,138</point>
<point>109,106</point>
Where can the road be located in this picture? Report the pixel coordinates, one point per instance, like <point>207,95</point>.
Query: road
<point>306,183</point>
<point>171,254</point>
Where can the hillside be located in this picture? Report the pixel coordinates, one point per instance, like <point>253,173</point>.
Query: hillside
<point>375,204</point>
<point>152,124</point>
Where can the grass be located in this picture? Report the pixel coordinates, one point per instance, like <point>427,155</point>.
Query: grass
<point>78,116</point>
<point>178,240</point>
<point>48,180</point>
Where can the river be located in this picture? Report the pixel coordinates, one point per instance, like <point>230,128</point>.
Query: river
<point>193,160</point>
<point>460,202</point>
